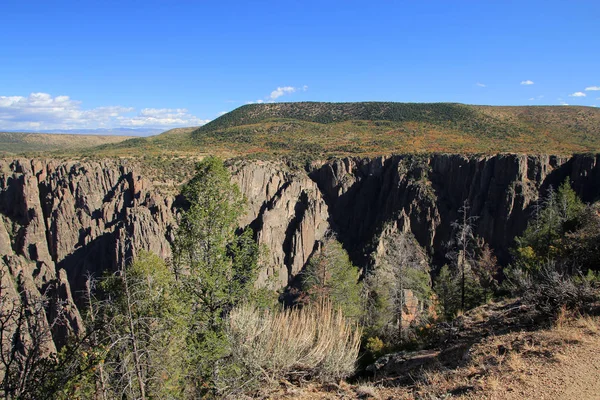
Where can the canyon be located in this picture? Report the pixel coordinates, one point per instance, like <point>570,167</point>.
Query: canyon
<point>62,221</point>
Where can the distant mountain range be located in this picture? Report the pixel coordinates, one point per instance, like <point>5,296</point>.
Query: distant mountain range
<point>100,131</point>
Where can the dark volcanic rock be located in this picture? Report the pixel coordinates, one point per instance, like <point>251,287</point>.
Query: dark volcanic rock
<point>60,221</point>
<point>423,194</point>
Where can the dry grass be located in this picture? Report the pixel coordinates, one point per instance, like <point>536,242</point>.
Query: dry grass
<point>316,342</point>
<point>559,362</point>
<point>549,363</point>
<point>367,392</point>
<point>518,365</point>
<point>591,325</point>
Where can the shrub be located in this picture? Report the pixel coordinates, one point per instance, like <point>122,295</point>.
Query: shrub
<point>315,342</point>
<point>551,289</point>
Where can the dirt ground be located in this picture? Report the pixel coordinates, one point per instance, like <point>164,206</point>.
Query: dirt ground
<point>558,363</point>
<point>571,370</point>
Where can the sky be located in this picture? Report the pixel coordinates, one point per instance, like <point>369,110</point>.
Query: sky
<point>162,64</point>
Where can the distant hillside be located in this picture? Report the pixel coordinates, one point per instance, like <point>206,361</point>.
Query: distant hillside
<point>328,129</point>
<point>104,131</point>
<point>179,131</point>
<point>16,143</point>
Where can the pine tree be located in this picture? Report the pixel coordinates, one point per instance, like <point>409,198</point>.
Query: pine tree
<point>331,276</point>
<point>401,267</point>
<point>215,266</point>
<point>561,213</point>
<point>143,323</point>
<point>447,289</point>
<point>485,268</point>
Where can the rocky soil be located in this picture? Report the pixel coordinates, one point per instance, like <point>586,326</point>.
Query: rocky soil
<point>510,363</point>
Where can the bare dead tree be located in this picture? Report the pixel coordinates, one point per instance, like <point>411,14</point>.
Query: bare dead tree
<point>462,246</point>
<point>27,351</point>
<point>90,286</point>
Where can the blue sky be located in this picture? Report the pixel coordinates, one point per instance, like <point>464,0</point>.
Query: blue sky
<point>90,64</point>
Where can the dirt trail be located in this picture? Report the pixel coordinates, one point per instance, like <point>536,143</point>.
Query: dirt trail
<point>561,363</point>
<point>574,373</point>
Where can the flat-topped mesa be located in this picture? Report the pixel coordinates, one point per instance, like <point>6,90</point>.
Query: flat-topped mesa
<point>307,129</point>
<point>60,221</point>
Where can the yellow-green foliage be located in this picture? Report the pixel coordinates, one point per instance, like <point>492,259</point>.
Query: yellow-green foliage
<point>337,129</point>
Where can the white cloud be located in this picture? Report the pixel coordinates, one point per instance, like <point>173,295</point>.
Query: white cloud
<point>161,117</point>
<point>222,113</point>
<point>480,84</point>
<point>531,98</point>
<point>45,112</point>
<point>577,94</point>
<point>280,91</point>
<point>562,103</point>
<point>527,82</point>
<point>592,88</point>
<point>277,93</point>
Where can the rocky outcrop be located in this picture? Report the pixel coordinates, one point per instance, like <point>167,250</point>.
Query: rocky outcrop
<point>63,220</point>
<point>422,194</point>
<point>288,214</point>
<point>77,219</point>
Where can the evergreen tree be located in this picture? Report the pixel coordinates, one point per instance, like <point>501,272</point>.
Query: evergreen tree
<point>215,266</point>
<point>402,267</point>
<point>582,245</point>
<point>486,268</point>
<point>331,276</point>
<point>143,323</point>
<point>544,239</point>
<point>447,289</point>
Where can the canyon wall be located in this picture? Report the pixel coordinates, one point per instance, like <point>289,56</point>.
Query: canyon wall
<point>61,221</point>
<point>422,194</point>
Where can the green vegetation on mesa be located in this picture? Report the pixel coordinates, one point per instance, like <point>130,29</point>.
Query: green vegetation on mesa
<point>18,142</point>
<point>338,129</point>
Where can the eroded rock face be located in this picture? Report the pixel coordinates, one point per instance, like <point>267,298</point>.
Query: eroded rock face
<point>87,217</point>
<point>288,214</point>
<point>64,220</point>
<point>60,221</point>
<point>422,194</point>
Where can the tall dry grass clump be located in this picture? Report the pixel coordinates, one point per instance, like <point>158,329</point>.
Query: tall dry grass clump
<point>314,342</point>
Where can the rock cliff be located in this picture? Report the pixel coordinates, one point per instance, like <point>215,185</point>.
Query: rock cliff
<point>63,220</point>
<point>422,194</point>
